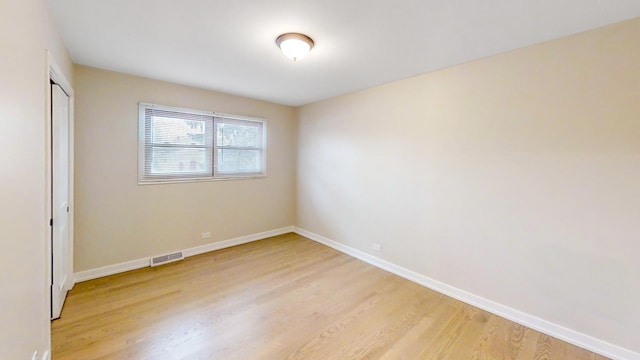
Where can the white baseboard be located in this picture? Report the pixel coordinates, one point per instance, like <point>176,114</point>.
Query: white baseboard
<point>144,262</point>
<point>110,270</point>
<point>571,336</point>
<point>235,241</point>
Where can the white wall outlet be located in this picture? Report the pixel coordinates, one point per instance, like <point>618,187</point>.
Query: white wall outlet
<point>377,247</point>
<point>205,235</point>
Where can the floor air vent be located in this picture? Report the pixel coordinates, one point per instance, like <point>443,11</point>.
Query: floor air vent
<point>166,258</point>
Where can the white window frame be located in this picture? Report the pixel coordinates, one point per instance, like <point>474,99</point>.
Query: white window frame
<point>234,119</point>
<point>216,118</point>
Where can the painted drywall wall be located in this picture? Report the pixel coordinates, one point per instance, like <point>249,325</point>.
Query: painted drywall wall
<point>26,30</point>
<point>118,220</point>
<point>515,178</point>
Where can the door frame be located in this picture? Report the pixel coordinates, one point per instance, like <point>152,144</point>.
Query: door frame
<point>55,74</point>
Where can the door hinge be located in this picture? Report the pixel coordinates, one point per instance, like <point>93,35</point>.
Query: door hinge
<point>51,222</point>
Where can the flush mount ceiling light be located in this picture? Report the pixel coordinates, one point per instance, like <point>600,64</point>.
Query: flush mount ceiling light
<point>294,46</point>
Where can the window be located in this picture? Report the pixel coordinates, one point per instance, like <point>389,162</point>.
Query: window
<point>181,144</point>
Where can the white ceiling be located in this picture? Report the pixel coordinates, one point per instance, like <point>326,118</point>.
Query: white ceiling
<point>229,46</point>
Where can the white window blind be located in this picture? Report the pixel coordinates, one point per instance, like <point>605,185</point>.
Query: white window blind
<point>182,144</point>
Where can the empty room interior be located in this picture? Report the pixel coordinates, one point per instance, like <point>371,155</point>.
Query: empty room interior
<point>320,179</point>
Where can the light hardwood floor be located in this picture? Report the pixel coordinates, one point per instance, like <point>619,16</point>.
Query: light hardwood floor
<point>285,297</point>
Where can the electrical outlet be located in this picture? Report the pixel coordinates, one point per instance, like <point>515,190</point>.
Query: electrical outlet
<point>205,235</point>
<point>377,247</point>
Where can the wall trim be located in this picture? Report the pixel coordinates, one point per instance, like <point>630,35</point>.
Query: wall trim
<point>110,270</point>
<point>571,336</point>
<point>144,262</point>
<point>236,241</point>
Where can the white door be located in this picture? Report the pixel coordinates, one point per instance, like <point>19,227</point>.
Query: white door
<point>60,198</point>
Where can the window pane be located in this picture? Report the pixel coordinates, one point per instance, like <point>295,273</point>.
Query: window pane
<point>239,161</point>
<point>238,135</point>
<point>166,130</point>
<point>168,161</point>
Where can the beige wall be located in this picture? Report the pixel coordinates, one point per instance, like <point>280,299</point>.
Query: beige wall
<point>515,178</point>
<point>26,30</point>
<point>118,220</point>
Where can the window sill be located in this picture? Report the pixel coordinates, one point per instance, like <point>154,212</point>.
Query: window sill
<point>194,180</point>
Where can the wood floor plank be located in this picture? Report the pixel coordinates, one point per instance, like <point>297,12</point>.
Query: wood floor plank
<point>283,298</point>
